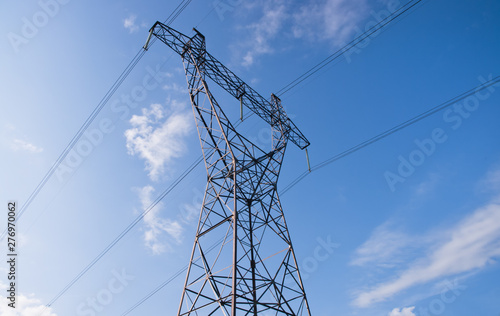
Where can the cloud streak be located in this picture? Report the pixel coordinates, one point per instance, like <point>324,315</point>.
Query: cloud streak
<point>19,144</point>
<point>334,20</point>
<point>320,20</point>
<point>130,25</point>
<point>264,30</point>
<point>159,232</point>
<point>383,248</point>
<point>472,244</point>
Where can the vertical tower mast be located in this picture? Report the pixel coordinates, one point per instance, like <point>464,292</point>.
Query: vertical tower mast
<point>254,270</point>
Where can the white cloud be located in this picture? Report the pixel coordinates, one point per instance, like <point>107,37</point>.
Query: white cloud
<point>406,311</point>
<point>19,144</point>
<point>470,245</point>
<point>493,178</point>
<point>25,306</point>
<point>159,232</point>
<point>318,20</point>
<point>157,138</point>
<point>334,20</point>
<point>130,25</point>
<point>263,31</point>
<point>491,182</point>
<point>428,185</point>
<point>174,87</point>
<point>383,248</point>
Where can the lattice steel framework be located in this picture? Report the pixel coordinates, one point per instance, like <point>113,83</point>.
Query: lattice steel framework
<point>254,269</point>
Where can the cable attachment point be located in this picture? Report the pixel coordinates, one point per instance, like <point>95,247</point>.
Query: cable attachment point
<point>308,164</point>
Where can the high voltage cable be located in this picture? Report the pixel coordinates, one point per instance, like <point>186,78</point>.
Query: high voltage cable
<point>409,5</point>
<point>179,11</point>
<point>169,20</point>
<point>123,233</point>
<point>173,277</point>
<point>393,130</point>
<point>135,60</point>
<point>79,134</point>
<point>129,227</point>
<point>77,137</point>
<point>171,17</point>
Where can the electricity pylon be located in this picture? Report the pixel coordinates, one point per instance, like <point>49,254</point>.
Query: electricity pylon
<point>254,270</point>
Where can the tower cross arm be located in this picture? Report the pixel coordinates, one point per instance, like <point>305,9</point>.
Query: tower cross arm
<point>177,41</point>
<point>227,80</point>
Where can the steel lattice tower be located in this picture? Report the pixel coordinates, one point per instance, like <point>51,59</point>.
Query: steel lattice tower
<point>253,270</point>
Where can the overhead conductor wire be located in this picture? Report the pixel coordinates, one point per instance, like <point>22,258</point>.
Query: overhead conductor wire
<point>377,27</point>
<point>114,87</point>
<point>78,135</point>
<point>393,130</point>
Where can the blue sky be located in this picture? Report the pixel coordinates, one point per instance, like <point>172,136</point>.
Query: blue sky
<point>409,225</point>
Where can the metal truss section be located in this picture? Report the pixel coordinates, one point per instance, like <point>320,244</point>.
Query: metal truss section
<point>225,78</point>
<point>254,270</point>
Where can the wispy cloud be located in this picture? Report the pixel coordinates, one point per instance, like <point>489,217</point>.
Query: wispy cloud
<point>174,87</point>
<point>334,20</point>
<point>19,144</point>
<point>25,305</point>
<point>264,30</point>
<point>469,245</point>
<point>159,232</point>
<point>158,134</point>
<point>318,20</point>
<point>428,185</point>
<point>406,311</point>
<point>384,248</point>
<point>491,182</point>
<point>130,24</point>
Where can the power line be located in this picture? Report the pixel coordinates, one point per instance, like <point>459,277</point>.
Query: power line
<point>116,85</point>
<point>186,3</point>
<point>409,5</point>
<point>124,232</point>
<point>393,130</point>
<point>173,277</point>
<point>182,270</point>
<point>167,191</point>
<point>206,16</point>
<point>79,134</point>
<point>171,17</point>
